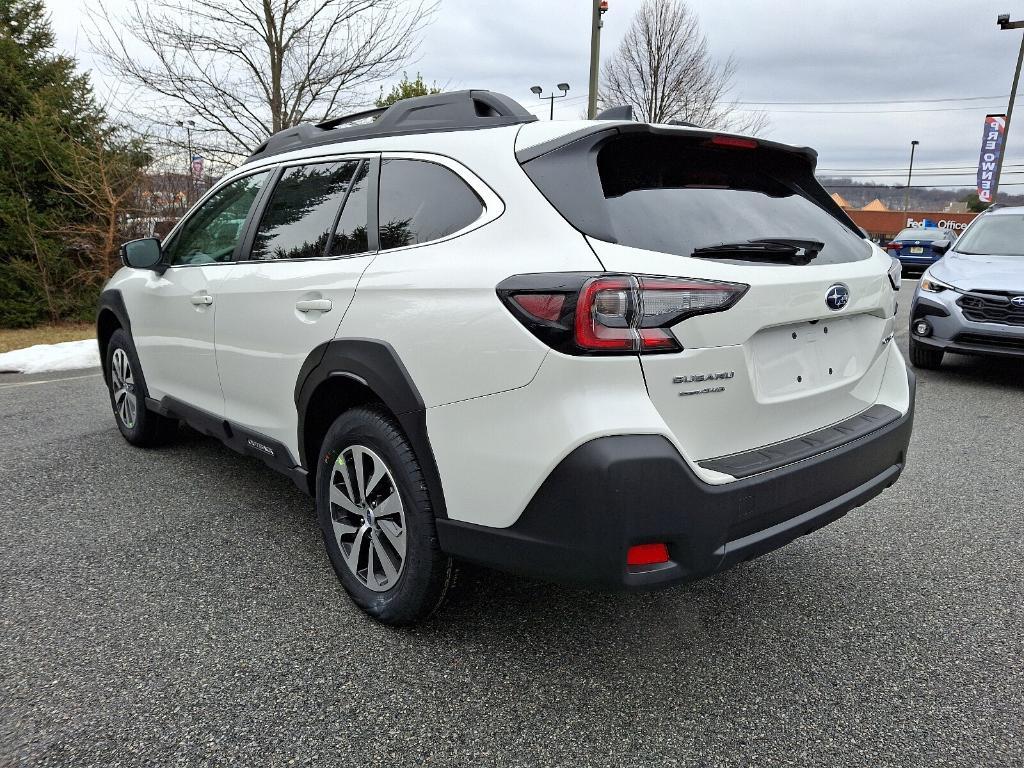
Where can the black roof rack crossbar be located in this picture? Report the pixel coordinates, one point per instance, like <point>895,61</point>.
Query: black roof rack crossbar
<point>334,122</point>
<point>454,111</point>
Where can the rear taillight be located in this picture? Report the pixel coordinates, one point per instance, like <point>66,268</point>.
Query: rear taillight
<point>612,314</point>
<point>892,247</point>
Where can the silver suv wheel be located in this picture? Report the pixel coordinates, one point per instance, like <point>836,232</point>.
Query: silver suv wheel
<point>123,385</point>
<point>368,517</point>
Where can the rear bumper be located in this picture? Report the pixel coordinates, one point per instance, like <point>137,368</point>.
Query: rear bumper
<point>918,260</point>
<point>614,492</point>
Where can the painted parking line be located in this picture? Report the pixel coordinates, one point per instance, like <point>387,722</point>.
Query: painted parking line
<point>48,381</point>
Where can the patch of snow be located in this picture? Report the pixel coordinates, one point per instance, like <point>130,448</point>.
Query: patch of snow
<point>41,358</point>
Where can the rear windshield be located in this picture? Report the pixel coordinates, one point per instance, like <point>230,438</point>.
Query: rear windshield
<point>674,196</point>
<point>1001,235</point>
<point>928,234</point>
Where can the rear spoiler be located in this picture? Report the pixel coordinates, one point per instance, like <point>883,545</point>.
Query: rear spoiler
<point>568,163</point>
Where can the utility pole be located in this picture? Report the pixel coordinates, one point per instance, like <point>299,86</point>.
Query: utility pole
<point>537,91</point>
<point>910,175</point>
<point>1004,23</point>
<point>600,8</point>
<point>188,125</point>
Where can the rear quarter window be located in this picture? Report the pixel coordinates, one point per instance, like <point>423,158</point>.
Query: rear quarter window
<point>422,201</point>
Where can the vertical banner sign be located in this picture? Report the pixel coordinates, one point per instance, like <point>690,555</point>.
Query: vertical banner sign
<point>197,167</point>
<point>991,149</point>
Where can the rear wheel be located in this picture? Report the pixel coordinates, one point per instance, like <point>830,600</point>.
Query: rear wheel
<point>139,425</point>
<point>925,357</point>
<point>377,520</point>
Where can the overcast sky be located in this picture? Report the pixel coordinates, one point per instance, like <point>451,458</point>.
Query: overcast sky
<point>907,53</point>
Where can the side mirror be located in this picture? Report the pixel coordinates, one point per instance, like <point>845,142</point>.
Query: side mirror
<point>142,254</point>
<point>941,246</point>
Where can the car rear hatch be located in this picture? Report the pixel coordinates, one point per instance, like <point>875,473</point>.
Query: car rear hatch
<point>803,348</point>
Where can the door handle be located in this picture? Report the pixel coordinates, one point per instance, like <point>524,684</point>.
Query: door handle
<point>314,305</point>
<point>201,299</point>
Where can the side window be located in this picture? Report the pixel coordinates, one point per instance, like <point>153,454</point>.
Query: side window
<point>422,201</point>
<point>212,231</point>
<point>350,232</point>
<point>300,217</point>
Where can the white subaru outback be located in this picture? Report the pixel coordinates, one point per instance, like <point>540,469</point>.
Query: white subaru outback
<point>604,352</point>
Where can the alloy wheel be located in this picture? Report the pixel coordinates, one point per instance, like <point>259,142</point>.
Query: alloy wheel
<point>122,384</point>
<point>368,518</point>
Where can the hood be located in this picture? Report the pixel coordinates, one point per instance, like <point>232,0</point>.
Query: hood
<point>981,273</point>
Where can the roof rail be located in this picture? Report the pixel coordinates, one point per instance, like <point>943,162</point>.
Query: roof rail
<point>454,111</point>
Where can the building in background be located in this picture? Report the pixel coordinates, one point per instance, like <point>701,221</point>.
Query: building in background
<point>883,224</point>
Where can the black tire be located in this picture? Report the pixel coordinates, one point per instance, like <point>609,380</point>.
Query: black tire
<point>425,574</point>
<point>925,357</point>
<point>147,428</point>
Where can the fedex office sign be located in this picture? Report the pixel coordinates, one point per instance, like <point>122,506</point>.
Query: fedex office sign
<point>955,226</point>
<point>991,149</point>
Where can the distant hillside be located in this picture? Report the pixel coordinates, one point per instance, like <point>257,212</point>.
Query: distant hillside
<point>860,194</point>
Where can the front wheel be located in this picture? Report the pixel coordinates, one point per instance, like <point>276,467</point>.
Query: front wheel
<point>377,520</point>
<point>925,357</point>
<point>139,425</point>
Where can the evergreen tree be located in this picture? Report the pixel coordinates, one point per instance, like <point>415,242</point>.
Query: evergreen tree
<point>45,109</point>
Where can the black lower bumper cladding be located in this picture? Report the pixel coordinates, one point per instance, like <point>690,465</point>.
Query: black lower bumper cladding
<point>618,491</point>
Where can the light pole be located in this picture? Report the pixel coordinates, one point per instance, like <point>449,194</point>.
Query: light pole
<point>910,175</point>
<point>537,91</point>
<point>189,126</point>
<point>596,22</point>
<point>1004,23</point>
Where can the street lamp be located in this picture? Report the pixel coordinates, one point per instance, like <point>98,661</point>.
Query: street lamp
<point>1003,20</point>
<point>910,174</point>
<point>189,126</point>
<point>537,91</point>
<point>600,8</point>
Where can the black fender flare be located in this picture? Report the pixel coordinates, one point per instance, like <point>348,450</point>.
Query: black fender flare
<point>110,301</point>
<point>376,365</point>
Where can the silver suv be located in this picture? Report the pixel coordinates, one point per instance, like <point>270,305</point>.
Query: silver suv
<point>971,302</point>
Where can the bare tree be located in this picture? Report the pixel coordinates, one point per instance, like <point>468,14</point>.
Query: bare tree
<point>248,68</point>
<point>664,70</point>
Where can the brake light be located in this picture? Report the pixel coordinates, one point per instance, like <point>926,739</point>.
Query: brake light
<point>735,142</point>
<point>612,314</point>
<point>893,247</point>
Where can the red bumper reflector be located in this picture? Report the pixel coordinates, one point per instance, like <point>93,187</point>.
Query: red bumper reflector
<point>647,554</point>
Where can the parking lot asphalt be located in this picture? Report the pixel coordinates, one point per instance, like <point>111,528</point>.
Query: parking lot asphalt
<point>176,607</point>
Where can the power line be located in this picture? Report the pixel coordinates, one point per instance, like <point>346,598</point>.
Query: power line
<point>915,186</point>
<point>964,174</point>
<point>924,168</point>
<point>861,111</point>
<point>882,101</point>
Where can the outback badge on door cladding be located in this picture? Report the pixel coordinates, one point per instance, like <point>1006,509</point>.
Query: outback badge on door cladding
<point>837,297</point>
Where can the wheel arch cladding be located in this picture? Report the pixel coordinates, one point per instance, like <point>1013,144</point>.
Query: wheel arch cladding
<point>345,373</point>
<point>111,315</point>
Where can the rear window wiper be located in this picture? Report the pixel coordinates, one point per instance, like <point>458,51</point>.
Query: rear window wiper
<point>774,249</point>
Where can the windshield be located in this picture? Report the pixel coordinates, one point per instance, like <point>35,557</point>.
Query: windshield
<point>928,234</point>
<point>999,235</point>
<point>669,196</point>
